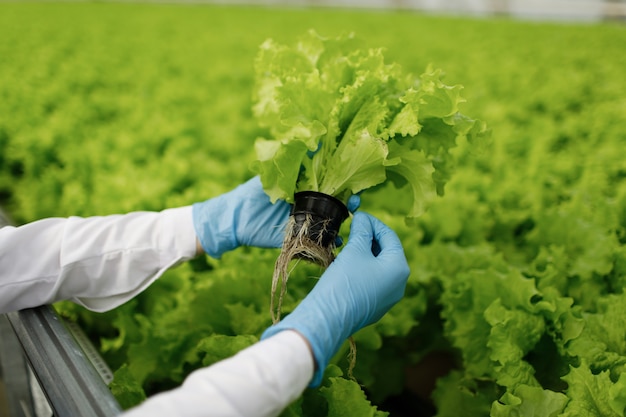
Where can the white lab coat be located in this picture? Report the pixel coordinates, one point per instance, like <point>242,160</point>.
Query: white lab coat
<point>102,262</point>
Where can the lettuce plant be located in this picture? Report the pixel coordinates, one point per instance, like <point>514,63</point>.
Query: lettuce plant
<point>340,120</point>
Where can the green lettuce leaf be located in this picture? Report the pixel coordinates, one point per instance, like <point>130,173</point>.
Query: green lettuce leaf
<point>278,164</point>
<point>514,332</point>
<point>617,395</point>
<point>417,170</point>
<point>602,340</point>
<point>529,401</point>
<point>126,389</point>
<point>358,164</point>
<point>340,392</point>
<point>456,395</point>
<point>218,347</point>
<point>340,120</point>
<point>589,393</point>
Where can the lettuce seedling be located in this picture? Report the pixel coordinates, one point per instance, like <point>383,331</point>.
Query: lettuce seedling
<point>340,120</point>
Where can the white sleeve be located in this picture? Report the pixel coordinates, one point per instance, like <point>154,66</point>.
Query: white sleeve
<point>259,381</point>
<point>97,262</point>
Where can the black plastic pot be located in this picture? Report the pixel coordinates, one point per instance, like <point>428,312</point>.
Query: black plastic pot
<point>326,212</point>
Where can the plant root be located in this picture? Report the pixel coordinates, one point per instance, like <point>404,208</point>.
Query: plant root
<point>351,358</point>
<point>297,245</point>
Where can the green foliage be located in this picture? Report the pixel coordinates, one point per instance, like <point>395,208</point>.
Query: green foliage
<point>517,271</point>
<point>126,389</point>
<point>218,346</point>
<point>342,391</point>
<point>342,120</point>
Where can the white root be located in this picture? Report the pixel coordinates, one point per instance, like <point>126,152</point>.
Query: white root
<point>298,245</point>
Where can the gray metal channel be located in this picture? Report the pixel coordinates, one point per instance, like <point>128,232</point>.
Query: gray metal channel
<point>67,370</point>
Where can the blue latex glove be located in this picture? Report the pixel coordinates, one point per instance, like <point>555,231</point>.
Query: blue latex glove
<point>356,290</point>
<point>354,202</point>
<point>245,217</point>
<point>242,217</point>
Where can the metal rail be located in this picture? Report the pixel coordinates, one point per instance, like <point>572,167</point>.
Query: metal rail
<point>69,380</point>
<point>65,372</point>
<point>16,376</point>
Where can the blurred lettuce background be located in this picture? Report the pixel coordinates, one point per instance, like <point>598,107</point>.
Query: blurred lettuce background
<point>517,272</point>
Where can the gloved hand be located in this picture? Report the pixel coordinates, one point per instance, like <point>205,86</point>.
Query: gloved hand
<point>354,202</point>
<point>356,290</point>
<point>242,217</point>
<point>245,217</point>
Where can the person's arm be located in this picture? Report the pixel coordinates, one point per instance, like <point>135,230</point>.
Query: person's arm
<point>98,262</point>
<point>366,279</point>
<point>259,381</point>
<point>355,291</point>
<point>102,262</point>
